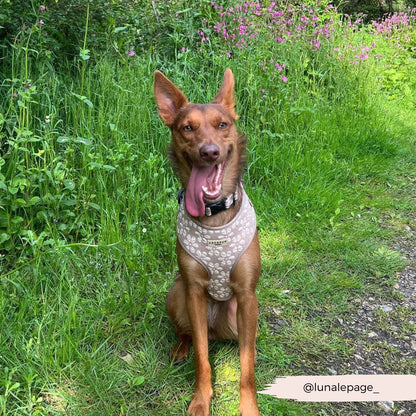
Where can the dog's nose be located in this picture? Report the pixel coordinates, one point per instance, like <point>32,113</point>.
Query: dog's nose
<point>209,152</point>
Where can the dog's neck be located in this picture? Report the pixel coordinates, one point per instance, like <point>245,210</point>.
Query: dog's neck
<point>224,216</point>
<point>223,204</point>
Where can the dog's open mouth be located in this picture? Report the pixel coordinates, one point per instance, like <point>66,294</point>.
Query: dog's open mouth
<point>205,183</point>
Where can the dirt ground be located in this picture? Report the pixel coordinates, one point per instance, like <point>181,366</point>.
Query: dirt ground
<point>382,333</point>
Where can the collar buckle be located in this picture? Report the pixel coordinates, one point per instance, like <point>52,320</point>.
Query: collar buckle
<point>223,205</point>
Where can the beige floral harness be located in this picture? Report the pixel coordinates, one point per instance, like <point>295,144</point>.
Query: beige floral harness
<point>218,249</point>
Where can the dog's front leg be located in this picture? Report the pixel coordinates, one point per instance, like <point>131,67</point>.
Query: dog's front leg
<point>197,311</point>
<point>247,311</point>
<point>245,279</point>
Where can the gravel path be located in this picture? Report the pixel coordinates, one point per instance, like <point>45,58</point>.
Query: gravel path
<point>383,335</point>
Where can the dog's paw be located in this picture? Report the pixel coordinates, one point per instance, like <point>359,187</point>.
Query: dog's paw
<point>179,353</point>
<point>249,408</point>
<point>200,404</point>
<point>198,409</point>
<point>251,412</point>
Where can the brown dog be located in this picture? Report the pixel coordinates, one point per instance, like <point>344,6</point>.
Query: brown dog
<point>218,250</point>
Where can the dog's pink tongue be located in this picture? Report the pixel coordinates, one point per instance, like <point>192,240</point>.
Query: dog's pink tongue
<point>194,195</point>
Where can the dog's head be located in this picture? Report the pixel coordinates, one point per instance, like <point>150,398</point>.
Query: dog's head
<point>207,150</point>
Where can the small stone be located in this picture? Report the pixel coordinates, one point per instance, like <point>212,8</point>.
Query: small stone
<point>413,344</point>
<point>386,308</point>
<point>389,404</point>
<point>277,324</point>
<point>125,356</point>
<point>372,334</point>
<point>386,406</point>
<point>332,371</point>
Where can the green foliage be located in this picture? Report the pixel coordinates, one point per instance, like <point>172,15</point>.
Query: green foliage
<point>121,28</point>
<point>374,9</point>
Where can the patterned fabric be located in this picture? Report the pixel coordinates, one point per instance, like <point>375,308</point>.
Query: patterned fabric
<point>218,249</point>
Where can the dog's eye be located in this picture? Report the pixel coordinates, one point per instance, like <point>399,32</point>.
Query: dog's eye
<point>187,128</point>
<point>222,125</point>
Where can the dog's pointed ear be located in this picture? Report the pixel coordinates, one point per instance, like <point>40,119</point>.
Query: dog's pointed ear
<point>169,98</point>
<point>225,95</point>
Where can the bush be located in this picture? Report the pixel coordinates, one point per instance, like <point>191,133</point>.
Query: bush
<point>122,27</point>
<point>374,9</point>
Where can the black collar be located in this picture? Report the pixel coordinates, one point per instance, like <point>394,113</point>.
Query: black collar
<point>216,207</point>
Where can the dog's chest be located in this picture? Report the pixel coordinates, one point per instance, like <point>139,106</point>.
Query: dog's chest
<point>218,249</point>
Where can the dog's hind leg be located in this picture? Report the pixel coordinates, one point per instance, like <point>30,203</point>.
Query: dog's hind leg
<point>245,278</point>
<point>196,303</point>
<point>176,306</point>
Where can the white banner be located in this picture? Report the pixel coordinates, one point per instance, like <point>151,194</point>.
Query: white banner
<point>347,388</point>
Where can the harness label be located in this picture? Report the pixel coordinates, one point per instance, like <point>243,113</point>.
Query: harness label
<point>217,243</point>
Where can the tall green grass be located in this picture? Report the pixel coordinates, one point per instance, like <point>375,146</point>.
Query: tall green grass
<point>88,201</point>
